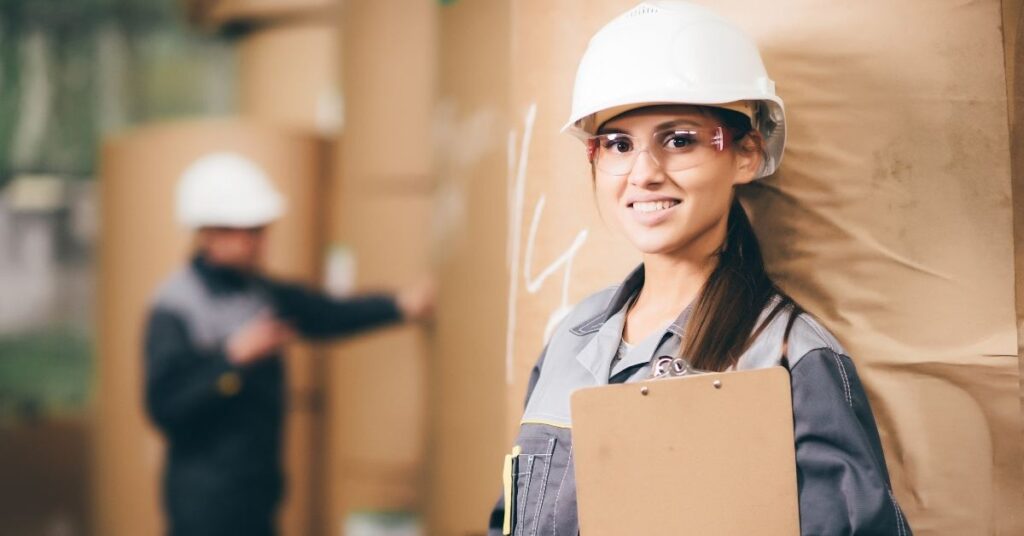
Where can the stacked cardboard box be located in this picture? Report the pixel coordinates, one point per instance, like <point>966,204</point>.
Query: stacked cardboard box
<point>380,215</point>
<point>141,244</point>
<point>288,79</point>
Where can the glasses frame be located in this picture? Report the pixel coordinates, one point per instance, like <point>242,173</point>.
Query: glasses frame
<point>717,142</point>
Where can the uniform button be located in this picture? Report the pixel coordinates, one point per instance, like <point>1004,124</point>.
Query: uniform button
<point>229,384</point>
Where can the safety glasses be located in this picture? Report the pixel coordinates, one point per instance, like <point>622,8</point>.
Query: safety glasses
<point>674,149</point>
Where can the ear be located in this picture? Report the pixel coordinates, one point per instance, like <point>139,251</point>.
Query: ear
<point>748,157</point>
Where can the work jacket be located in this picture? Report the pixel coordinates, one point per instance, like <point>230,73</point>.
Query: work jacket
<point>842,477</point>
<point>223,422</point>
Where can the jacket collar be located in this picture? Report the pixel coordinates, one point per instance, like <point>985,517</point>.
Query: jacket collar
<point>221,280</point>
<point>606,328</point>
<point>632,284</point>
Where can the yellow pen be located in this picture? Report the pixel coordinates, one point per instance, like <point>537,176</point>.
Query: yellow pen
<point>509,479</point>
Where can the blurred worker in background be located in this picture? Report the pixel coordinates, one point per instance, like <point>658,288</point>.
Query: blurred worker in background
<point>215,335</point>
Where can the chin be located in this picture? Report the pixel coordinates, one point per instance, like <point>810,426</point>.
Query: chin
<point>654,245</point>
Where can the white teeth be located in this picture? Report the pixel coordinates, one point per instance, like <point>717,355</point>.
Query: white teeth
<point>654,206</point>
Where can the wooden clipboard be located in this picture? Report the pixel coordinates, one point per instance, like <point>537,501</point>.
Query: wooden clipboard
<point>706,455</point>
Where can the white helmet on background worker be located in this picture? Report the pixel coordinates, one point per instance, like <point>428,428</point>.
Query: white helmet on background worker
<point>676,52</point>
<point>227,190</point>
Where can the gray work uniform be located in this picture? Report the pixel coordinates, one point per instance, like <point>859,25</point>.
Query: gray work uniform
<point>223,422</point>
<point>842,477</point>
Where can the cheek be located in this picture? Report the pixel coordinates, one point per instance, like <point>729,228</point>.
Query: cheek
<point>608,191</point>
<point>708,190</point>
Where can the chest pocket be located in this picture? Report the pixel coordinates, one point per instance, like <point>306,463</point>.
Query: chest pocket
<point>532,474</point>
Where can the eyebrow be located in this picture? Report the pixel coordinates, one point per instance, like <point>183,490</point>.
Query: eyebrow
<point>677,122</point>
<point>662,126</point>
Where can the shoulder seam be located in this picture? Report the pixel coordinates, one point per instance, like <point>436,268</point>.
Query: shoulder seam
<point>837,357</point>
<point>827,338</point>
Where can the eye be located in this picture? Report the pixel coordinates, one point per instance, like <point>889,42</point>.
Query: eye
<point>617,144</point>
<point>679,140</point>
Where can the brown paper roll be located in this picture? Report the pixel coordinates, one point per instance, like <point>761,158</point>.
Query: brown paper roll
<point>141,244</point>
<point>1013,27</point>
<point>288,76</point>
<point>380,210</point>
<point>467,429</point>
<point>389,53</point>
<point>890,220</point>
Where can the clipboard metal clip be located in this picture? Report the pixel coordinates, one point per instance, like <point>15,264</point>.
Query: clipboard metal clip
<point>670,367</point>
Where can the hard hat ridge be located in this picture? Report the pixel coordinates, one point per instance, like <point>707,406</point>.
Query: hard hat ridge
<point>675,52</point>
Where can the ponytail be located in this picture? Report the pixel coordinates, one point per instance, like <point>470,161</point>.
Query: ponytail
<point>724,315</point>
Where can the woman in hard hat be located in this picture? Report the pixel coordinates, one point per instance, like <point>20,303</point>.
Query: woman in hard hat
<point>676,110</point>
<point>214,340</point>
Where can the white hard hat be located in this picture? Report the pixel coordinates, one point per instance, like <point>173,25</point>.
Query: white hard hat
<point>676,52</point>
<point>227,190</point>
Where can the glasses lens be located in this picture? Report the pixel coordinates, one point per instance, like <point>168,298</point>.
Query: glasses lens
<point>614,153</point>
<point>683,148</point>
<point>674,149</point>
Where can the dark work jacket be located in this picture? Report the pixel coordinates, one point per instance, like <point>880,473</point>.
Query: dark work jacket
<point>842,477</point>
<point>223,422</point>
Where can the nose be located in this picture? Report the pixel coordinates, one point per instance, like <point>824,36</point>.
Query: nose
<point>646,171</point>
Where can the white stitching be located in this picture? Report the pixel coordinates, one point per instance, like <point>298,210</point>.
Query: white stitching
<point>543,487</point>
<point>899,514</point>
<point>896,508</point>
<point>554,513</point>
<point>846,379</point>
<point>521,510</point>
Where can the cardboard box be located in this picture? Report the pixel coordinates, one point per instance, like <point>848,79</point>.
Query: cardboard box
<point>890,220</point>
<point>288,76</point>
<point>141,244</point>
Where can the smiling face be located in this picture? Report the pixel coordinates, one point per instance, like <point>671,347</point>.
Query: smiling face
<point>668,204</point>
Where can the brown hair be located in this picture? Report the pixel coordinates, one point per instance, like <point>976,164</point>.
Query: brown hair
<point>721,325</point>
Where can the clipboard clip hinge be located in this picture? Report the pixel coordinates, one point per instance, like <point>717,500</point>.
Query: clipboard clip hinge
<point>670,367</point>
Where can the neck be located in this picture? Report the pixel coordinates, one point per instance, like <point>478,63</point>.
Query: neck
<point>673,280</point>
<point>670,284</point>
